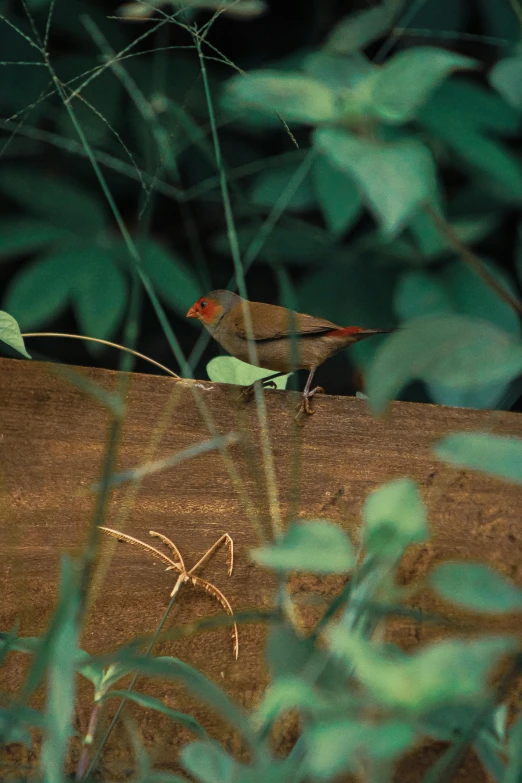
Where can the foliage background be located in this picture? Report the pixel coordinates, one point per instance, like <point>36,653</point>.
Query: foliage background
<point>64,267</point>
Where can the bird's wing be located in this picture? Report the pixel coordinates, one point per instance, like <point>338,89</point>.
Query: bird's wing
<point>271,322</point>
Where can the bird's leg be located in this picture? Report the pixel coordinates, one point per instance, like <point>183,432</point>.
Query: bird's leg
<point>248,391</point>
<point>304,407</point>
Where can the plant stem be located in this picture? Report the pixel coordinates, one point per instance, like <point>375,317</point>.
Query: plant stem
<point>473,261</point>
<point>132,683</point>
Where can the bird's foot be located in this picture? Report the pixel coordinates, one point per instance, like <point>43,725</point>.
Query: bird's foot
<point>304,406</point>
<point>247,392</point>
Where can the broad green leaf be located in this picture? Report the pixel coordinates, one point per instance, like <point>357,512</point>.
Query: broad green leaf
<point>298,98</point>
<point>484,397</point>
<point>99,294</point>
<point>207,762</point>
<point>63,204</point>
<point>21,236</point>
<point>337,194</point>
<point>471,295</point>
<point>301,244</point>
<point>441,18</point>
<point>438,674</point>
<point>316,546</point>
<point>470,229</point>
<point>149,702</point>
<point>172,279</point>
<point>174,669</point>
<point>357,30</point>
<point>338,72</point>
<point>41,290</point>
<point>500,19</point>
<point>477,106</point>
<point>460,115</point>
<point>15,724</point>
<point>282,695</point>
<point>514,764</point>
<point>394,178</point>
<point>10,333</point>
<point>60,704</point>
<point>269,186</point>
<point>497,455</point>
<point>288,654</point>
<point>394,517</point>
<point>506,77</point>
<point>454,350</point>
<point>407,80</point>
<point>459,289</point>
<point>476,587</point>
<point>420,293</point>
<point>346,744</point>
<point>227,369</point>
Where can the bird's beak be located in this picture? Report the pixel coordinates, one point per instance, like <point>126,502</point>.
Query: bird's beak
<point>192,313</point>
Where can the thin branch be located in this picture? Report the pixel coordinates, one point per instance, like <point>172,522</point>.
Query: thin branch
<point>104,342</point>
<point>472,260</point>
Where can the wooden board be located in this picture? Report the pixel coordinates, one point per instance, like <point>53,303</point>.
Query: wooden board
<point>52,445</point>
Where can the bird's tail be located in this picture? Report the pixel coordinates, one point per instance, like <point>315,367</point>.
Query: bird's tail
<point>359,333</point>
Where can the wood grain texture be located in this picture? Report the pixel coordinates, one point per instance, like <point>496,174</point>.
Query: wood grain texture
<point>52,444</point>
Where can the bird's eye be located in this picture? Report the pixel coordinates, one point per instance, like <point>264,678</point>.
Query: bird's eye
<point>203,303</point>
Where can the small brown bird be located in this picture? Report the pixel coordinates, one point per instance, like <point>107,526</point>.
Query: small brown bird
<point>285,340</point>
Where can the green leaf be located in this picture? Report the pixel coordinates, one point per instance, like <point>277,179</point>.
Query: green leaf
<point>149,702</point>
<point>454,350</point>
<point>514,764</point>
<point>337,195</point>
<point>471,295</point>
<point>172,279</point>
<point>420,293</point>
<point>282,695</point>
<point>298,98</point>
<point>500,19</point>
<point>316,546</point>
<point>337,746</point>
<point>15,723</point>
<point>288,654</point>
<point>301,244</point>
<point>207,762</point>
<point>99,294</point>
<point>394,177</point>
<point>59,709</point>
<point>174,669</point>
<point>476,587</point>
<point>470,229</point>
<point>361,28</point>
<point>270,184</point>
<point>227,369</point>
<point>436,675</point>
<point>456,288</point>
<point>506,78</point>
<point>63,204</point>
<point>407,80</point>
<point>21,236</point>
<point>10,333</point>
<point>478,107</point>
<point>338,71</point>
<point>497,455</point>
<point>41,290</point>
<point>461,115</point>
<point>394,517</point>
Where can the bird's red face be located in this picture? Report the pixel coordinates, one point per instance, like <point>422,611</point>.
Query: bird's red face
<point>207,310</point>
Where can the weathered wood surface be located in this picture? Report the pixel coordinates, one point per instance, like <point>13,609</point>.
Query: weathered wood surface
<point>52,443</point>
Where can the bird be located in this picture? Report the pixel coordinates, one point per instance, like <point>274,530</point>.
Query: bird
<point>285,340</point>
